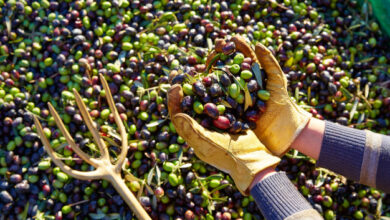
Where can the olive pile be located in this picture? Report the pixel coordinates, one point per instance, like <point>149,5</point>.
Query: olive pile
<point>230,98</point>
<point>335,58</point>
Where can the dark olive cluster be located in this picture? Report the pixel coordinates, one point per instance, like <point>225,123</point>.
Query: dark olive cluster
<point>231,98</point>
<point>335,58</point>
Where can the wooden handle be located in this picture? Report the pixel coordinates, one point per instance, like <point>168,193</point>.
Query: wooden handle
<point>128,196</point>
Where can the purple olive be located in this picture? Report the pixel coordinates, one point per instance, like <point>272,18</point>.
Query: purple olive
<point>199,89</point>
<point>236,127</point>
<point>186,104</point>
<point>211,110</point>
<point>215,90</point>
<point>229,48</point>
<point>252,115</point>
<point>225,80</point>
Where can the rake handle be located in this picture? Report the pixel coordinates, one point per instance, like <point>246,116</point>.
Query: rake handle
<point>120,186</point>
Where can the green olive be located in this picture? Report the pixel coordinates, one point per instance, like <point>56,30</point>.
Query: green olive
<point>234,90</point>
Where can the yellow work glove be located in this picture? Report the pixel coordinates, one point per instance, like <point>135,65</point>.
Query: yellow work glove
<point>283,120</point>
<point>241,156</point>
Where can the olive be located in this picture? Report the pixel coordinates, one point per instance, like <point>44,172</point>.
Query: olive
<point>199,89</point>
<point>229,48</point>
<point>211,110</point>
<point>198,107</point>
<point>225,80</point>
<point>215,90</point>
<point>235,68</point>
<point>252,86</point>
<point>252,115</point>
<point>221,122</point>
<point>246,74</point>
<point>263,95</point>
<point>187,103</point>
<point>236,127</point>
<point>207,81</point>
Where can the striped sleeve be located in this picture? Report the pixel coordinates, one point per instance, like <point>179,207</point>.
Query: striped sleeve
<point>278,199</point>
<point>362,156</point>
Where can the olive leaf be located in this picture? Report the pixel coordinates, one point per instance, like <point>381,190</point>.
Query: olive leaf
<point>166,70</point>
<point>226,104</point>
<point>8,24</point>
<point>139,193</point>
<point>259,78</point>
<point>40,215</point>
<point>379,208</point>
<point>297,94</point>
<point>180,155</point>
<point>121,58</point>
<point>209,44</point>
<point>155,123</point>
<point>114,134</point>
<point>215,176</point>
<point>158,176</point>
<point>367,59</point>
<point>3,58</point>
<point>97,215</point>
<point>366,90</point>
<point>154,202</point>
<point>346,93</point>
<point>130,177</point>
<point>219,188</point>
<point>194,190</point>
<point>353,110</point>
<point>248,99</point>
<point>113,216</point>
<point>190,78</point>
<point>361,118</point>
<point>320,179</point>
<point>150,176</point>
<point>167,16</point>
<point>185,165</point>
<point>23,215</point>
<point>215,58</point>
<point>110,141</point>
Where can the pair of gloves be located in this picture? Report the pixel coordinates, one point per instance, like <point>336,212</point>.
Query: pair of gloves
<point>244,155</point>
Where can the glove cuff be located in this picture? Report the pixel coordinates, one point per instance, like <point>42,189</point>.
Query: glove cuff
<point>245,173</point>
<point>301,118</point>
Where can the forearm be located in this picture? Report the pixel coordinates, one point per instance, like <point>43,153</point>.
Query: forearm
<point>309,140</point>
<point>277,198</point>
<point>359,155</point>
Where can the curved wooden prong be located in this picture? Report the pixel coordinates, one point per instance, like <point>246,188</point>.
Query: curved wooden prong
<point>69,138</point>
<point>121,127</point>
<point>96,174</point>
<point>88,120</point>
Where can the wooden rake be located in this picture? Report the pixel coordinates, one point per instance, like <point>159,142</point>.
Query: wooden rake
<point>104,168</point>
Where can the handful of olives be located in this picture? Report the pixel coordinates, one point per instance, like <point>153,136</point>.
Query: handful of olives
<point>231,95</point>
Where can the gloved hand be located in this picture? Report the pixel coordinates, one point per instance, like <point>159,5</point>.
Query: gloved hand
<point>241,156</point>
<point>283,120</point>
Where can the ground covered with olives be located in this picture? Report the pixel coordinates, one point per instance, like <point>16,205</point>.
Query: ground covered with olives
<point>231,98</point>
<point>335,57</point>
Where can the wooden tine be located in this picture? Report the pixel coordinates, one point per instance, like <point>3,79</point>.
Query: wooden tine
<point>96,174</point>
<point>88,120</point>
<point>118,121</point>
<point>69,138</point>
